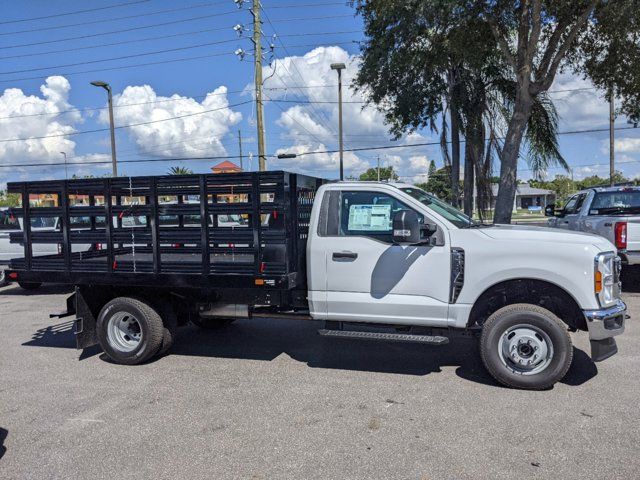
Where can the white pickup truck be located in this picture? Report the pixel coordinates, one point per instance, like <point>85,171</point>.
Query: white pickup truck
<point>378,256</point>
<point>612,212</point>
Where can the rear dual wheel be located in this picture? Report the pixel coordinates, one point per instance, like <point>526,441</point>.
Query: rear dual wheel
<point>130,330</point>
<point>526,346</point>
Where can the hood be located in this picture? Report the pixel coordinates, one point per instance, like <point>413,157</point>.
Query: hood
<point>545,234</point>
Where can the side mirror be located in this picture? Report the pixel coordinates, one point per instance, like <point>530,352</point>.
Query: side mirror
<point>407,228</point>
<point>550,210</point>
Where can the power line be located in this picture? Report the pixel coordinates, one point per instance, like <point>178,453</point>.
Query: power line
<point>124,42</point>
<point>124,67</point>
<point>135,55</point>
<point>124,126</point>
<point>385,147</point>
<point>112,32</point>
<point>126,4</point>
<point>114,19</point>
<point>121,67</point>
<point>301,5</point>
<point>305,19</point>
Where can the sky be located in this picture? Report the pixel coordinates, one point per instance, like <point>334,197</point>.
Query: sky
<point>166,59</point>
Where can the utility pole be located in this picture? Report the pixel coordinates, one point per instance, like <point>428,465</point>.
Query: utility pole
<point>257,36</point>
<point>612,152</point>
<point>378,167</point>
<point>240,148</point>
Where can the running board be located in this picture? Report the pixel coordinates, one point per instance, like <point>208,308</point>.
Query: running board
<point>389,337</point>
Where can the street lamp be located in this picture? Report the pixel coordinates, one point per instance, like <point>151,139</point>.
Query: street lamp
<point>66,174</point>
<point>339,67</point>
<point>107,87</point>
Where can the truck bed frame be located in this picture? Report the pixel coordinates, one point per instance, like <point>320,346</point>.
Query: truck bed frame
<point>175,236</point>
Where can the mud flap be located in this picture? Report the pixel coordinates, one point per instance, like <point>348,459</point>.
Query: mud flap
<point>603,349</point>
<point>85,323</point>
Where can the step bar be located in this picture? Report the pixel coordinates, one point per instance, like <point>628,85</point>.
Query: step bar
<point>388,337</point>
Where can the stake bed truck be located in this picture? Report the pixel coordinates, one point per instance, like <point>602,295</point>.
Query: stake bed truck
<point>352,254</point>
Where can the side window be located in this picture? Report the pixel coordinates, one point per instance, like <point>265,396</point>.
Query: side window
<point>580,202</point>
<point>369,214</point>
<point>8,222</point>
<point>574,204</point>
<point>570,206</point>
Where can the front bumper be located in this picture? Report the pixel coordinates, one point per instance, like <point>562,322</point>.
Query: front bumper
<point>603,325</point>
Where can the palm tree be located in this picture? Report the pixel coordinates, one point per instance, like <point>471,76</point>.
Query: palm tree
<point>180,171</point>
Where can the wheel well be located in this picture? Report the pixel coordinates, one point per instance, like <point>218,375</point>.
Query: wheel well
<point>537,292</point>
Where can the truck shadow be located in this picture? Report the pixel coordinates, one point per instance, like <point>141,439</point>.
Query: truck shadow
<point>50,289</point>
<point>267,339</point>
<point>59,335</point>
<point>3,437</point>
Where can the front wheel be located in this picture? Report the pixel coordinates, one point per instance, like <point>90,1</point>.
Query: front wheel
<point>526,346</point>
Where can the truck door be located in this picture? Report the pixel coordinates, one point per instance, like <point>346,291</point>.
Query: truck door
<point>369,279</point>
<point>571,212</point>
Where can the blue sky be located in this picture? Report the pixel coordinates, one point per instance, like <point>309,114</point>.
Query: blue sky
<point>162,58</point>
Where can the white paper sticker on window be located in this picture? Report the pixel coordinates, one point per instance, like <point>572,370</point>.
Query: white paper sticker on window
<point>370,217</point>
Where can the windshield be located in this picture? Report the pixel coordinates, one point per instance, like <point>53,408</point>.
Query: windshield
<point>443,209</point>
<point>623,201</point>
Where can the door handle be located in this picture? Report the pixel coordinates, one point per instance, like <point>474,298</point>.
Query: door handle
<point>338,256</point>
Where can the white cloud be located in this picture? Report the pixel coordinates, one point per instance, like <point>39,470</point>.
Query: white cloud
<point>308,124</point>
<point>626,145</point>
<point>54,99</point>
<point>317,161</point>
<point>579,105</point>
<point>200,134</point>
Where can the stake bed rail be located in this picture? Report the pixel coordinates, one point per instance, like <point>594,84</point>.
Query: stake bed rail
<point>236,230</point>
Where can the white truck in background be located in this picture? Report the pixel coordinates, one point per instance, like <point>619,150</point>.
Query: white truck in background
<point>611,212</point>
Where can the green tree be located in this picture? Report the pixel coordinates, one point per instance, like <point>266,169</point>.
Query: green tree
<point>386,173</point>
<point>412,44</point>
<point>438,183</point>
<point>9,199</point>
<point>180,171</point>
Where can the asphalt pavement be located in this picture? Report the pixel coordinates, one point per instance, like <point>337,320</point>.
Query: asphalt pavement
<point>270,399</point>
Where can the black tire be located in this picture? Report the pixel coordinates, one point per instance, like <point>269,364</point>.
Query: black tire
<point>150,327</point>
<point>30,285</point>
<point>170,327</point>
<point>212,323</point>
<point>542,321</point>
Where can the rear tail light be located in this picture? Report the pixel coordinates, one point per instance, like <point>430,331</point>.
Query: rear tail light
<point>621,235</point>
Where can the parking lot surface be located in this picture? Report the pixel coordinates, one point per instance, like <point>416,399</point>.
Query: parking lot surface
<point>267,399</point>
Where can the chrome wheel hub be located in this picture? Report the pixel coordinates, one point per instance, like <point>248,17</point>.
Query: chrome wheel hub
<point>124,332</point>
<point>525,349</point>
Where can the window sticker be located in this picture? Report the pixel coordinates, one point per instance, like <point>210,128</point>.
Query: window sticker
<point>370,217</point>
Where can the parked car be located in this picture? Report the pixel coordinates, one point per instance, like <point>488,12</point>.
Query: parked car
<point>10,224</point>
<point>373,261</point>
<point>611,212</point>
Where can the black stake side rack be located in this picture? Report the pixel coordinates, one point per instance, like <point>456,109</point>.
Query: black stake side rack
<point>234,230</point>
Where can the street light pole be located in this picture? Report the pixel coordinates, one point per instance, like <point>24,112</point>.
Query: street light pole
<point>612,142</point>
<point>66,174</point>
<point>107,87</point>
<point>339,67</point>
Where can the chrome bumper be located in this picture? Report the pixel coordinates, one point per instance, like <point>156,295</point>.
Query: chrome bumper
<point>606,322</point>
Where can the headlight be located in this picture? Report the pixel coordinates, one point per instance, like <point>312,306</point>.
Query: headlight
<point>604,279</point>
